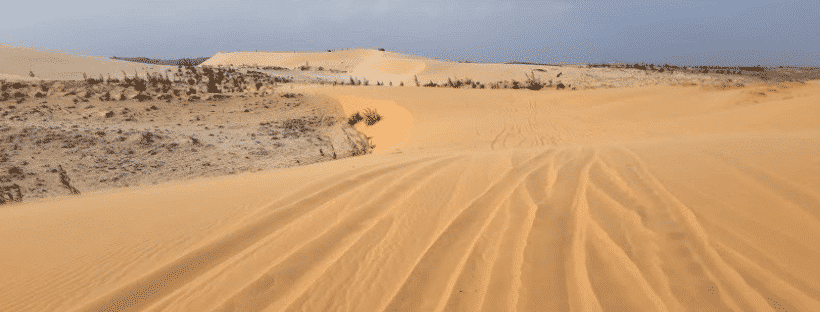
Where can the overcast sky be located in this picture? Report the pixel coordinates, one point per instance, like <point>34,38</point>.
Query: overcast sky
<point>730,32</point>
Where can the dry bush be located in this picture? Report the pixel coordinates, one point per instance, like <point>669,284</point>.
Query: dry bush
<point>371,116</point>
<point>533,83</point>
<point>354,119</point>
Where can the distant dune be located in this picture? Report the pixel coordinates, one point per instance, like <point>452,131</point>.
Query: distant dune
<point>20,62</point>
<point>176,62</point>
<point>643,197</point>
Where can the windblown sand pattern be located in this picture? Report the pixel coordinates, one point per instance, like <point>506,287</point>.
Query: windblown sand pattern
<point>654,198</point>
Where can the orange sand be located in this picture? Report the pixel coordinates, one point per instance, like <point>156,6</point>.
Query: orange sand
<point>636,199</point>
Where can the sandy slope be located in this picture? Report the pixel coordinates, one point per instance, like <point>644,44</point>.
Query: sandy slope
<point>391,67</point>
<point>637,199</point>
<point>16,62</point>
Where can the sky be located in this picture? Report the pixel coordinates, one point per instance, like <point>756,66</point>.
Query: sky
<point>683,32</point>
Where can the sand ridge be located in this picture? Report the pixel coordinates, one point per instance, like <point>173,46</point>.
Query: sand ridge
<point>654,198</point>
<point>17,62</point>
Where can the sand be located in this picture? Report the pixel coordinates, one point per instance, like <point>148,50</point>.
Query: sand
<point>18,62</point>
<point>654,198</point>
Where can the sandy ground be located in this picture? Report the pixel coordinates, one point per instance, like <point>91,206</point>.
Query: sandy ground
<point>653,198</point>
<point>71,137</point>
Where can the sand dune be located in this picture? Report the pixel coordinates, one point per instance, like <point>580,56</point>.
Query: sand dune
<point>17,62</point>
<point>391,67</point>
<point>339,60</point>
<point>634,199</point>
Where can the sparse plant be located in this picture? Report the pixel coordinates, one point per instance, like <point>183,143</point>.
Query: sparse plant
<point>354,119</point>
<point>10,193</point>
<point>533,83</point>
<point>371,116</point>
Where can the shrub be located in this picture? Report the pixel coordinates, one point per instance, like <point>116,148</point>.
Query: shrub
<point>92,81</point>
<point>10,194</point>
<point>371,116</point>
<point>533,83</point>
<point>355,118</point>
<point>140,84</point>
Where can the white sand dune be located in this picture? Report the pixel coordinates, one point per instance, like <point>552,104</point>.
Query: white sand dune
<point>637,199</point>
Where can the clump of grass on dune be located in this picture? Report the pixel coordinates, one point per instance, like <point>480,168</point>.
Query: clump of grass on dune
<point>533,83</point>
<point>370,117</point>
<point>354,119</point>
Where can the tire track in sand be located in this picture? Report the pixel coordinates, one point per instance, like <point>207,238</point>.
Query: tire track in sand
<point>280,245</point>
<point>739,294</point>
<point>161,282</point>
<point>292,276</point>
<point>420,291</point>
<point>550,237</point>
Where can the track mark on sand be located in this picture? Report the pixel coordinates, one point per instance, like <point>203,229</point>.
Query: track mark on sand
<point>786,296</point>
<point>548,245</point>
<point>163,281</point>
<point>580,294</point>
<point>505,278</point>
<point>285,277</point>
<point>419,291</point>
<point>806,200</point>
<point>739,295</point>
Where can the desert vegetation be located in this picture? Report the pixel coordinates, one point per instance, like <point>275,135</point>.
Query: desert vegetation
<point>369,116</point>
<point>187,83</point>
<point>68,137</point>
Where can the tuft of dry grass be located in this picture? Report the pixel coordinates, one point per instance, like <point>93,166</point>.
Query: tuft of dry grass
<point>370,117</point>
